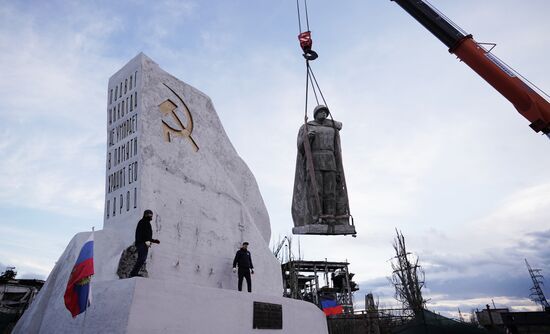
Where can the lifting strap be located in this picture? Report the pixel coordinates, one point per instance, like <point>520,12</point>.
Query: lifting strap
<point>307,149</point>
<point>306,44</point>
<point>304,37</point>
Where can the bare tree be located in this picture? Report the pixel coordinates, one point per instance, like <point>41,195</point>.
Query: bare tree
<point>405,277</point>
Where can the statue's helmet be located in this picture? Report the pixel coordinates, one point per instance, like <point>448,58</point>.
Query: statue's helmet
<point>320,108</point>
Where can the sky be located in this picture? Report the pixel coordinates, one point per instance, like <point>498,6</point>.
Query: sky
<point>429,148</point>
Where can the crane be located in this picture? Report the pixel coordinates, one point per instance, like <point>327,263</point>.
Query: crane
<point>280,246</point>
<point>516,89</point>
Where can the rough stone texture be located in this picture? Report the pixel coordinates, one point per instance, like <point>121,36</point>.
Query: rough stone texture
<point>324,229</point>
<point>206,204</point>
<point>126,263</point>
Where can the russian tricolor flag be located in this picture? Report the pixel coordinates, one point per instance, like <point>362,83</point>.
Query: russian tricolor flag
<point>330,307</point>
<point>78,292</point>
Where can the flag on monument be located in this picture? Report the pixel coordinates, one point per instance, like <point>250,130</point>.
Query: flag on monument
<point>78,293</point>
<point>330,306</point>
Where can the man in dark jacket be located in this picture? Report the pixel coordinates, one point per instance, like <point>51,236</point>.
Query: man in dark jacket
<point>244,262</point>
<point>144,238</point>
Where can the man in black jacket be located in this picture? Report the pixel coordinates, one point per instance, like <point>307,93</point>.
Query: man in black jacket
<point>144,238</point>
<point>244,262</point>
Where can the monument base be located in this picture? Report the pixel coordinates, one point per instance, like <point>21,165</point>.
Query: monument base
<point>143,305</point>
<point>324,229</point>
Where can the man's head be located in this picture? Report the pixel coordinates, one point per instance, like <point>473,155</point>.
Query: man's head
<point>148,214</point>
<point>320,113</point>
<point>245,245</point>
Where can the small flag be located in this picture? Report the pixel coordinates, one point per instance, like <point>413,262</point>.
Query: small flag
<point>330,307</point>
<point>78,292</point>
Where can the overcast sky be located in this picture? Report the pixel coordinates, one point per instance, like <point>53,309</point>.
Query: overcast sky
<point>428,146</point>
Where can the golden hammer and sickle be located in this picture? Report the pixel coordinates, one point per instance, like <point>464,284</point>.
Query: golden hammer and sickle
<point>169,107</point>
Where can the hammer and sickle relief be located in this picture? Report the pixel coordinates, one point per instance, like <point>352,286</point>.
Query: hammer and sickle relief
<point>168,107</point>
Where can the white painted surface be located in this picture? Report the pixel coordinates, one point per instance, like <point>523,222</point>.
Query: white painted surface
<point>206,204</point>
<point>111,297</point>
<point>140,305</point>
<point>213,311</point>
<point>122,186</point>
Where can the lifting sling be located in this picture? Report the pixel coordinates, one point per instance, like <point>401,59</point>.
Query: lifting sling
<point>306,44</point>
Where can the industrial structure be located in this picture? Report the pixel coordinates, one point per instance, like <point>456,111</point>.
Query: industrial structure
<point>537,295</point>
<point>502,320</point>
<point>15,297</point>
<point>315,281</point>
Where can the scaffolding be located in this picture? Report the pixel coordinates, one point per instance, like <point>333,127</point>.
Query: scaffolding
<point>314,281</point>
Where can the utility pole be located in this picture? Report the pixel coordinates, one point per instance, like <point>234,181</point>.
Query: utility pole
<point>537,295</point>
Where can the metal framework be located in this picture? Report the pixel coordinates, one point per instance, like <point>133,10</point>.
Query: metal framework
<point>536,291</point>
<point>313,280</point>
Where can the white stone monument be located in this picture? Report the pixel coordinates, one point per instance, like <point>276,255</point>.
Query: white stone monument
<point>167,151</point>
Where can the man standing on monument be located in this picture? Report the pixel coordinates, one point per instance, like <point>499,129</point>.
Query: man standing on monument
<point>144,238</point>
<point>244,261</point>
<point>320,195</point>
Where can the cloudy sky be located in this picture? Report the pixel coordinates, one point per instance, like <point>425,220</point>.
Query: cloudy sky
<point>429,147</point>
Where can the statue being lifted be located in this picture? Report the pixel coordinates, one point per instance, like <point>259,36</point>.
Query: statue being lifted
<point>320,200</point>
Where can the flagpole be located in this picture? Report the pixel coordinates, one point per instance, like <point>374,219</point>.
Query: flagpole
<point>84,322</point>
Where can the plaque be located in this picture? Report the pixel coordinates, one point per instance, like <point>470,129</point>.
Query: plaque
<point>267,316</point>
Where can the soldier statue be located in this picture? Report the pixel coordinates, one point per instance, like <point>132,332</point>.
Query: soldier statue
<point>320,200</point>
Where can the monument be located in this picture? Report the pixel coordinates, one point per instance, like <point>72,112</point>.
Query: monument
<point>320,200</point>
<point>167,151</point>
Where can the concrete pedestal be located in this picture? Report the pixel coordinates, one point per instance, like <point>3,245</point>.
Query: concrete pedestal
<point>141,305</point>
<point>149,305</point>
<point>167,151</point>
<point>324,229</point>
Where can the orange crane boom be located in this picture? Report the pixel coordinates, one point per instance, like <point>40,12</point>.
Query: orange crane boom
<point>529,103</point>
